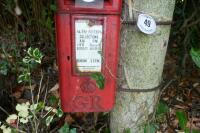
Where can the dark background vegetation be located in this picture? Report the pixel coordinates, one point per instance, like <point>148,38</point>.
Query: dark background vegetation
<point>35,28</point>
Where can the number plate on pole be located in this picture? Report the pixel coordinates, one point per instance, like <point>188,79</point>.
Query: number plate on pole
<point>146,24</point>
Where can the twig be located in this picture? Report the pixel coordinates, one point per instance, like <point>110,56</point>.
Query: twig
<point>38,96</point>
<point>2,109</point>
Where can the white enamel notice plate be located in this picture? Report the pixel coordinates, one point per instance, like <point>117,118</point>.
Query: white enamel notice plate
<point>88,46</point>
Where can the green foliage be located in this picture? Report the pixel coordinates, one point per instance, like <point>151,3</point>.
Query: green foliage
<point>30,61</point>
<point>127,130</point>
<point>150,128</point>
<point>65,129</point>
<point>59,112</point>
<point>187,130</point>
<point>3,67</point>
<point>162,108</point>
<point>182,118</point>
<point>25,76</point>
<point>195,54</point>
<point>9,58</point>
<point>99,78</point>
<point>49,119</point>
<point>186,30</point>
<point>40,106</point>
<point>27,114</point>
<point>53,100</point>
<point>21,36</point>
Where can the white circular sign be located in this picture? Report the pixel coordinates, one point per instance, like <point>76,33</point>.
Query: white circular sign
<point>146,24</point>
<point>88,0</point>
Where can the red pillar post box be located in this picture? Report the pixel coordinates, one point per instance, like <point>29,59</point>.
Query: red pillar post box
<point>87,34</point>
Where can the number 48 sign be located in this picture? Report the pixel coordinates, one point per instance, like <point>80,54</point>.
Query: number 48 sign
<point>146,24</point>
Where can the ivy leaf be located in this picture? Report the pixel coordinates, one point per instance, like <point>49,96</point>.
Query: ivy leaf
<point>162,108</point>
<point>59,112</point>
<point>49,119</point>
<point>195,54</point>
<point>24,77</point>
<point>182,118</point>
<point>30,51</point>
<point>26,60</point>
<point>53,100</point>
<point>64,129</point>
<point>37,55</point>
<point>99,78</point>
<point>100,84</point>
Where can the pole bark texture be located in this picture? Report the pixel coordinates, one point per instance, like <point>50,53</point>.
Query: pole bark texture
<point>141,65</point>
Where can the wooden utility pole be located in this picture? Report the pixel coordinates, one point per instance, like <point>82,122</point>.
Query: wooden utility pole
<point>141,64</point>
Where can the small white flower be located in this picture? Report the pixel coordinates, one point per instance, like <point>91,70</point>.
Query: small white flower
<point>3,127</point>
<point>11,119</point>
<point>33,107</point>
<point>18,11</point>
<point>23,114</point>
<point>27,103</point>
<point>23,120</point>
<point>22,107</point>
<point>22,110</point>
<point>7,130</point>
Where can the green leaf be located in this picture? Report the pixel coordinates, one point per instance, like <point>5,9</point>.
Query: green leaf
<point>162,108</point>
<point>59,112</point>
<point>150,128</point>
<point>53,100</point>
<point>106,130</point>
<point>73,130</point>
<point>24,77</point>
<point>26,60</point>
<point>195,131</point>
<point>21,36</point>
<point>64,129</point>
<point>53,7</point>
<point>100,84</point>
<point>49,119</point>
<point>182,118</point>
<point>195,54</point>
<point>3,67</point>
<point>33,55</point>
<point>94,76</point>
<point>127,130</point>
<point>187,130</point>
<point>99,78</point>
<point>40,106</point>
<point>30,51</point>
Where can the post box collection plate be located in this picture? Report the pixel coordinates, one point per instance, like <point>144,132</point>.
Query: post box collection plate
<point>88,49</point>
<point>87,42</point>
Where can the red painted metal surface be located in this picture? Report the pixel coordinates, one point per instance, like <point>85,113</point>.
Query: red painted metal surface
<point>110,7</point>
<point>78,91</point>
